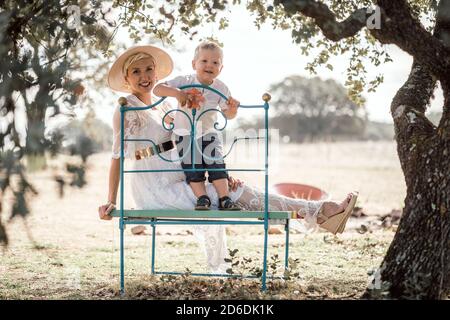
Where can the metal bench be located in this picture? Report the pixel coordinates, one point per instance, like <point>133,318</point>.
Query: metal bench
<point>191,217</point>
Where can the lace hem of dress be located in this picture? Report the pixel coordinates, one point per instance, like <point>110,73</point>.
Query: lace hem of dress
<point>307,211</point>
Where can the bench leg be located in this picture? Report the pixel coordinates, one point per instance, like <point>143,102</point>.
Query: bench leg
<point>153,247</point>
<point>286,255</point>
<point>122,259</point>
<point>264,274</point>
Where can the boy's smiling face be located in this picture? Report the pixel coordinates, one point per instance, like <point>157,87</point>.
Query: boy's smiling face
<point>207,65</point>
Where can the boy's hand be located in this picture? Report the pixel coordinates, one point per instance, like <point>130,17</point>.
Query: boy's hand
<point>182,98</point>
<point>232,107</point>
<point>233,103</point>
<point>195,99</point>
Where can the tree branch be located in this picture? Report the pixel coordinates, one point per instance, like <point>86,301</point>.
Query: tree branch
<point>326,19</point>
<point>409,104</point>
<point>412,127</point>
<point>444,125</point>
<point>414,95</point>
<point>442,31</point>
<point>398,27</point>
<point>419,87</point>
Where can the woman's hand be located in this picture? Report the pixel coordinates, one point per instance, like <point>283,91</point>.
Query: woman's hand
<point>233,183</point>
<point>104,210</point>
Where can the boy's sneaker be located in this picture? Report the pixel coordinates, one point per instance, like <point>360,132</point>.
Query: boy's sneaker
<point>225,203</point>
<point>203,203</point>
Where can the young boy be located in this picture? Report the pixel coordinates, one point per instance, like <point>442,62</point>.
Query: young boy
<point>207,64</point>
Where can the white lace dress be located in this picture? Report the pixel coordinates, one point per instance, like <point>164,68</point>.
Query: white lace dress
<point>168,190</point>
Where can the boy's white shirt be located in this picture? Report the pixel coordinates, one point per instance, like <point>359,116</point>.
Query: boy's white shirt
<point>205,125</point>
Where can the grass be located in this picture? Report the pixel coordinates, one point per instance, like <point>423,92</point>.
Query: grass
<point>328,267</point>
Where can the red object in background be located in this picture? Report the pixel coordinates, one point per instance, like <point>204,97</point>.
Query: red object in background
<point>302,191</point>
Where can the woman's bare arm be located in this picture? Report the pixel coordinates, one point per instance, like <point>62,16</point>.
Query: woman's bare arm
<point>114,179</point>
<point>113,186</point>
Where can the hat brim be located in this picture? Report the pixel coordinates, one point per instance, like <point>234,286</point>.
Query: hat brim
<point>163,65</point>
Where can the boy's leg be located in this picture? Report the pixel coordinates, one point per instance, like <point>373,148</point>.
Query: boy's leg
<point>203,201</point>
<point>198,188</point>
<point>184,151</point>
<point>221,186</point>
<point>225,202</point>
<point>213,148</point>
<point>196,180</point>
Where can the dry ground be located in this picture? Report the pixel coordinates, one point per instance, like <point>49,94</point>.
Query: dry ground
<point>68,253</point>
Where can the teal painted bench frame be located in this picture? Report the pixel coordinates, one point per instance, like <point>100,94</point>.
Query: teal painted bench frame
<point>192,217</point>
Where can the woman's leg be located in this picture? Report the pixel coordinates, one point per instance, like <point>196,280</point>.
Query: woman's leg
<point>253,199</point>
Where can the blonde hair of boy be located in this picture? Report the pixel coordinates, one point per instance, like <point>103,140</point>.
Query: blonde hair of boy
<point>208,45</point>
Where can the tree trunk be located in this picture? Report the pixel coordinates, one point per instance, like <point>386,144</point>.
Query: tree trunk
<point>417,264</point>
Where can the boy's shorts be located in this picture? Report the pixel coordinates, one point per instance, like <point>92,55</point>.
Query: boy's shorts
<point>210,146</point>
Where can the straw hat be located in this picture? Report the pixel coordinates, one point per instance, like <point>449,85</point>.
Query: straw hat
<point>163,64</point>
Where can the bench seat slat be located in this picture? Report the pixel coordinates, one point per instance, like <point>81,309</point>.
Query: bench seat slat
<point>202,214</point>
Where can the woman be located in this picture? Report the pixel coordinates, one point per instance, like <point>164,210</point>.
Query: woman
<point>136,71</point>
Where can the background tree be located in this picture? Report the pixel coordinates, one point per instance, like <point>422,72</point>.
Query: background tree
<point>314,109</point>
<point>39,56</point>
<point>90,128</point>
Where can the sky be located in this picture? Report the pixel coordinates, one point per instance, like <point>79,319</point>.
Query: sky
<point>254,59</point>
